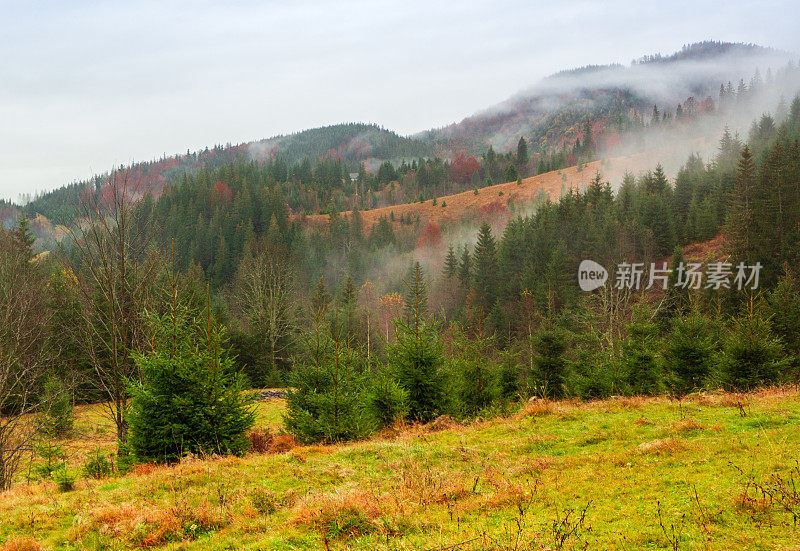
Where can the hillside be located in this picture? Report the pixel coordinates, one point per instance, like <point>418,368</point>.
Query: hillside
<point>500,199</point>
<point>688,475</point>
<point>555,110</point>
<point>352,143</point>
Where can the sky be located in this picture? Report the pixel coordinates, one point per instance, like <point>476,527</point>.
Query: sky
<point>86,86</point>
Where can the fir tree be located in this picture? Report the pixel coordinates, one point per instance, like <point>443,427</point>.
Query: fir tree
<point>189,399</point>
<point>485,282</point>
<point>450,263</point>
<point>522,152</point>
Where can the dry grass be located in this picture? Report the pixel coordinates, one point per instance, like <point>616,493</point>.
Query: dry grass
<point>665,446</point>
<point>489,201</point>
<point>416,489</point>
<point>21,544</point>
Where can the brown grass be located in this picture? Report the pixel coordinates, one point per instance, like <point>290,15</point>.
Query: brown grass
<point>536,408</point>
<point>263,441</point>
<point>489,202</point>
<point>21,544</point>
<point>686,425</point>
<point>662,447</point>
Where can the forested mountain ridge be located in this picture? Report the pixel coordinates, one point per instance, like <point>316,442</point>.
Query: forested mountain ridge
<point>555,110</point>
<point>598,104</point>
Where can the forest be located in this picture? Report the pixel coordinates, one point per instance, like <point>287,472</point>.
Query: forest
<point>167,309</point>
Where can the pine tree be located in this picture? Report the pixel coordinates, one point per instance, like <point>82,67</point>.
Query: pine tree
<point>450,263</point>
<point>465,268</point>
<point>485,282</point>
<point>189,399</point>
<point>416,357</point>
<point>550,362</point>
<point>522,152</point>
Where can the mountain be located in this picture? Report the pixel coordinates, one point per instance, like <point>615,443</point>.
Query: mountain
<point>601,100</point>
<point>555,110</point>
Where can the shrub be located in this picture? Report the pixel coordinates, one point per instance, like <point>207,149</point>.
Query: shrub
<point>189,399</point>
<point>260,440</point>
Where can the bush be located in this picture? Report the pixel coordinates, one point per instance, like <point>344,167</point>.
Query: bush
<point>752,355</point>
<point>189,399</point>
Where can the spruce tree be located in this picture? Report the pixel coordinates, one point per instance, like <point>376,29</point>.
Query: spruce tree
<point>416,357</point>
<point>450,263</point>
<point>485,282</point>
<point>689,353</point>
<point>189,399</point>
<point>550,362</point>
<point>752,355</point>
<point>522,152</point>
<point>465,268</point>
<point>741,214</point>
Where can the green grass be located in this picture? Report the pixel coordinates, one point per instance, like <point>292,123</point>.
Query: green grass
<point>645,473</point>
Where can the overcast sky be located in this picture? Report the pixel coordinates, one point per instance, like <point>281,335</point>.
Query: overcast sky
<point>88,85</point>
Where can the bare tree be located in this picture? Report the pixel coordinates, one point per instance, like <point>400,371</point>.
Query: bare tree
<point>116,272</point>
<point>23,333</point>
<point>263,290</point>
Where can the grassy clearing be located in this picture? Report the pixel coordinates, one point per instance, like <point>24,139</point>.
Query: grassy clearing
<point>616,474</point>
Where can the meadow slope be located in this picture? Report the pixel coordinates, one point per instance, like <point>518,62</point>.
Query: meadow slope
<point>499,198</point>
<point>625,473</point>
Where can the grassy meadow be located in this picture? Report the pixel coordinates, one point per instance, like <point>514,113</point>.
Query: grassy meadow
<point>716,471</point>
